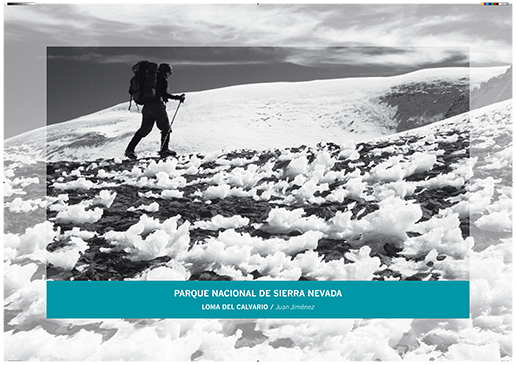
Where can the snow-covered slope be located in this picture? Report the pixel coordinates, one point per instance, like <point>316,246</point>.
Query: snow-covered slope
<point>424,204</point>
<point>261,116</point>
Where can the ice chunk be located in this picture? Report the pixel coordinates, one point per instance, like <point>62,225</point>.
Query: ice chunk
<point>495,222</point>
<point>297,166</point>
<point>164,181</point>
<point>219,221</point>
<point>474,352</point>
<point>394,218</point>
<point>67,257</point>
<point>80,183</point>
<point>28,302</point>
<point>149,238</point>
<point>420,162</point>
<point>79,215</point>
<point>171,194</point>
<point>104,198</point>
<point>355,186</point>
<point>282,220</point>
<point>362,268</point>
<point>172,271</point>
<point>168,167</point>
<point>46,347</point>
<point>244,178</point>
<point>220,191</point>
<point>153,207</point>
<point>17,276</point>
<point>19,205</point>
<point>34,239</point>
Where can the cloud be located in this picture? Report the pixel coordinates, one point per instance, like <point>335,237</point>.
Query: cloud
<point>28,31</point>
<point>191,56</point>
<point>376,56</point>
<point>396,26</point>
<point>97,57</point>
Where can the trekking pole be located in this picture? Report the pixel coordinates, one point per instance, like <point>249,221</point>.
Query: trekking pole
<point>170,126</point>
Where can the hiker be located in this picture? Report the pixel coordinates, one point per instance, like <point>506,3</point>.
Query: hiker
<point>154,111</point>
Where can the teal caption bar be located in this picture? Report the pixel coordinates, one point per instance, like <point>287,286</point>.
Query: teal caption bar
<point>257,299</point>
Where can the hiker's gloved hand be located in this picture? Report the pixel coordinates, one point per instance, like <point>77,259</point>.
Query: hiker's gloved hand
<point>182,98</point>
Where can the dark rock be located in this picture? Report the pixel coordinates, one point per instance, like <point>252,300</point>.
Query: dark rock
<point>450,189</point>
<point>250,336</point>
<point>266,179</point>
<point>434,277</point>
<point>418,276</point>
<point>201,235</point>
<point>52,246</point>
<point>209,276</point>
<point>465,227</point>
<point>207,213</point>
<point>441,342</point>
<point>261,233</point>
<point>333,249</point>
<point>209,165</point>
<point>57,273</point>
<point>384,259</point>
<point>295,232</point>
<point>266,156</point>
<point>298,149</point>
<point>282,342</point>
<point>387,273</point>
<point>196,355</point>
<point>256,274</point>
<point>304,278</point>
<point>408,342</point>
<point>281,164</point>
<point>391,250</point>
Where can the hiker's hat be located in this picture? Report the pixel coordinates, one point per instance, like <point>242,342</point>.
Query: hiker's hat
<point>164,68</point>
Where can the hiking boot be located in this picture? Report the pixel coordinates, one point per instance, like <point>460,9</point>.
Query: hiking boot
<point>130,154</point>
<point>167,153</point>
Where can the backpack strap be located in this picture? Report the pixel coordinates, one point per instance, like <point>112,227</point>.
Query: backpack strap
<point>130,102</point>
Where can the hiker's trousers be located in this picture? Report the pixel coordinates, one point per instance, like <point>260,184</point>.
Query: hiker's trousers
<point>152,112</point>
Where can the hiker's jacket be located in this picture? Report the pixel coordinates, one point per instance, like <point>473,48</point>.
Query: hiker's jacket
<point>162,94</point>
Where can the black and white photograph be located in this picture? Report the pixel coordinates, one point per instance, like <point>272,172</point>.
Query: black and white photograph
<point>258,142</point>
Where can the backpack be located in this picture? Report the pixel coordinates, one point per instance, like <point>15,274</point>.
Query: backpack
<point>143,84</point>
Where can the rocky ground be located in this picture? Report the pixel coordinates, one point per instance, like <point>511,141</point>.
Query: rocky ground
<point>101,262</point>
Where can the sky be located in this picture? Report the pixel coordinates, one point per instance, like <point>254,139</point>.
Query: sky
<point>63,60</point>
